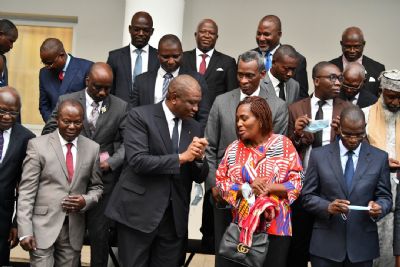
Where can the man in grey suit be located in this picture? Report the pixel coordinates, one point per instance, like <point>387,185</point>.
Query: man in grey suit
<point>279,78</point>
<point>220,130</point>
<point>107,132</point>
<point>61,180</point>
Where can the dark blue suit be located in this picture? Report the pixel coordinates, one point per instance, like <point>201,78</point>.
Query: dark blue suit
<point>10,174</point>
<point>357,237</point>
<point>4,78</point>
<point>51,87</point>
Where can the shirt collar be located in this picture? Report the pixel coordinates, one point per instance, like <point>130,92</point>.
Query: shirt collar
<point>162,72</point>
<point>200,53</point>
<point>8,131</point>
<point>314,101</point>
<point>144,49</point>
<point>343,149</point>
<point>66,63</point>
<point>89,99</point>
<point>345,61</point>
<point>64,142</point>
<point>168,114</point>
<point>275,81</point>
<point>255,93</point>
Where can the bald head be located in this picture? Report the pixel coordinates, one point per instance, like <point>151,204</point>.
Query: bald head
<point>353,33</point>
<point>184,96</point>
<point>99,81</point>
<point>141,29</point>
<point>52,45</point>
<point>273,19</point>
<point>52,54</point>
<point>352,115</point>
<point>10,104</point>
<point>354,70</point>
<point>142,15</point>
<point>352,43</point>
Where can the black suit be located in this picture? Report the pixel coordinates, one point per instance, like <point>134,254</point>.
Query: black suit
<point>120,62</point>
<point>144,87</point>
<point>108,134</point>
<point>5,72</point>
<point>300,75</point>
<point>365,98</point>
<point>373,69</point>
<point>10,174</point>
<point>220,73</point>
<point>153,192</point>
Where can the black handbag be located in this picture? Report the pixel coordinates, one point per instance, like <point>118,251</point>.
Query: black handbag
<point>230,248</point>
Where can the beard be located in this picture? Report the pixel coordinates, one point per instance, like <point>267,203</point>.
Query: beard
<point>390,116</point>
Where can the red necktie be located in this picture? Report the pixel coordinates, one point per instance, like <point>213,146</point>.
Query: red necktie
<point>70,162</point>
<point>61,75</point>
<point>203,68</point>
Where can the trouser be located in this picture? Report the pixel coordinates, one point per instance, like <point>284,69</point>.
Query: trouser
<point>322,262</point>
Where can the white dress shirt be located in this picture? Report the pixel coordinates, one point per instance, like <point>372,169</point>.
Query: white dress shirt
<point>158,93</point>
<point>255,93</point>
<point>6,138</point>
<point>344,157</point>
<point>275,83</point>
<point>145,57</point>
<point>65,149</point>
<point>89,102</point>
<point>199,58</point>
<point>170,121</point>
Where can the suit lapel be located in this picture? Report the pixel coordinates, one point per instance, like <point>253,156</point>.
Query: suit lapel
<point>191,60</point>
<point>56,145</point>
<point>11,145</point>
<point>362,164</point>
<point>151,83</point>
<point>334,160</point>
<point>69,76</point>
<point>102,116</point>
<point>185,137</point>
<point>162,127</point>
<point>212,64</point>
<point>234,101</point>
<point>82,100</point>
<point>126,62</point>
<point>268,86</point>
<point>80,154</point>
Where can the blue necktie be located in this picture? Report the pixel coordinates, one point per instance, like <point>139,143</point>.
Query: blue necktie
<point>167,78</point>
<point>268,61</point>
<point>1,143</point>
<point>349,169</point>
<point>138,64</point>
<point>175,136</point>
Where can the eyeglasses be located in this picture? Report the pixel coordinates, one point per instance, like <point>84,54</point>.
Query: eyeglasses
<point>332,77</point>
<point>50,64</point>
<point>352,88</point>
<point>358,136</point>
<point>9,112</point>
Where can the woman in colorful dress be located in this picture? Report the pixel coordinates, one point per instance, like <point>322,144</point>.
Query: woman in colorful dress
<point>261,173</point>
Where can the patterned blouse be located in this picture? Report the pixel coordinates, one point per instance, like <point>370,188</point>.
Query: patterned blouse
<point>275,161</point>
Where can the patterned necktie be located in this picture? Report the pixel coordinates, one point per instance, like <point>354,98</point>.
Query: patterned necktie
<point>138,64</point>
<point>94,115</point>
<point>319,116</point>
<point>1,143</point>
<point>69,160</point>
<point>167,79</point>
<point>268,61</point>
<point>203,67</point>
<point>175,136</point>
<point>281,86</point>
<point>349,169</point>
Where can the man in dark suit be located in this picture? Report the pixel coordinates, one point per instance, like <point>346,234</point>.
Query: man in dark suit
<point>13,141</point>
<point>136,58</point>
<point>62,74</point>
<point>279,78</point>
<point>322,105</point>
<point>353,89</point>
<point>352,47</point>
<point>268,36</point>
<point>164,155</point>
<point>151,87</point>
<point>8,36</point>
<point>107,132</point>
<point>218,69</point>
<point>353,174</point>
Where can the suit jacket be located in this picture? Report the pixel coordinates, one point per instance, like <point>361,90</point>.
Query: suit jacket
<point>300,74</point>
<point>373,69</point>
<point>152,178</point>
<point>108,134</point>
<point>51,87</point>
<point>144,88</point>
<point>120,62</point>
<point>292,89</point>
<point>5,72</point>
<point>10,174</point>
<point>220,74</point>
<point>44,184</point>
<point>221,126</point>
<point>303,107</point>
<point>365,98</point>
<point>357,237</point>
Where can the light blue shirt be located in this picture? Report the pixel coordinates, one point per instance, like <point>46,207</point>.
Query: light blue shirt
<point>344,157</point>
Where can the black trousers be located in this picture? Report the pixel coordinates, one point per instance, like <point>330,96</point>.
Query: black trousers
<point>162,247</point>
<point>322,262</point>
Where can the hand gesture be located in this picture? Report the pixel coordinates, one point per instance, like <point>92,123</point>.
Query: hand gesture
<point>339,206</point>
<point>299,125</point>
<point>73,203</point>
<point>28,243</point>
<point>375,209</point>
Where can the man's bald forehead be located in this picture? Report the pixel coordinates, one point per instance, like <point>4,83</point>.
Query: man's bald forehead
<point>274,19</point>
<point>100,67</point>
<point>183,84</point>
<point>210,21</point>
<point>10,94</point>
<point>52,45</point>
<point>142,15</point>
<point>354,69</point>
<point>353,33</point>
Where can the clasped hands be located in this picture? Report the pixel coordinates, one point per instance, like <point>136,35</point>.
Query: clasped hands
<point>73,203</point>
<point>341,206</point>
<point>195,151</point>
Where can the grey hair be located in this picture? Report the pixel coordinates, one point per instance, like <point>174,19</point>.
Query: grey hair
<point>253,55</point>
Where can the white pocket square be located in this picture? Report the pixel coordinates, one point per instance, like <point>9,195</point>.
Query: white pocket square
<point>371,79</point>
<point>220,69</point>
